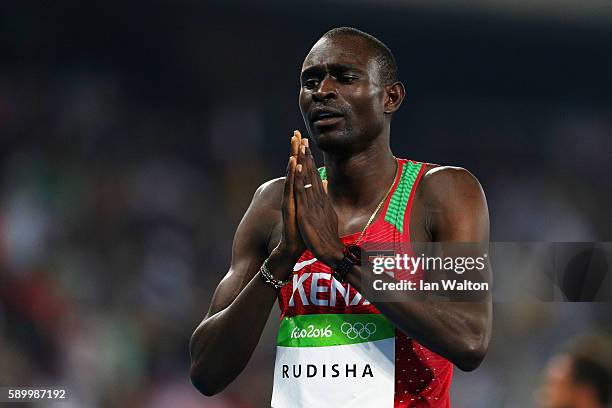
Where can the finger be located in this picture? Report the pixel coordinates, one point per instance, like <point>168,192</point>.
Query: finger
<point>307,170</point>
<point>314,176</point>
<point>295,142</point>
<point>301,156</point>
<point>298,187</point>
<point>291,181</point>
<point>294,146</point>
<point>292,206</point>
<point>288,167</point>
<point>287,188</point>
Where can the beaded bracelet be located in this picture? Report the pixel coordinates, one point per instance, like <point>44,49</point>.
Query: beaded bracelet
<point>267,277</point>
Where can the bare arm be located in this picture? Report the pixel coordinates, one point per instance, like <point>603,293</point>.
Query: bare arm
<point>240,300</point>
<point>220,347</point>
<point>457,330</point>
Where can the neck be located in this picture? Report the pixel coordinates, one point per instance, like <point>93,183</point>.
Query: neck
<point>361,179</point>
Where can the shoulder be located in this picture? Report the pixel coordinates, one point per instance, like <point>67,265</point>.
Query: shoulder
<point>449,184</point>
<point>269,195</point>
<point>454,204</point>
<point>263,214</point>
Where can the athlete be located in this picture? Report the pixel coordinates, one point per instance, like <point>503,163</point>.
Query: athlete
<point>301,242</point>
<point>580,376</point>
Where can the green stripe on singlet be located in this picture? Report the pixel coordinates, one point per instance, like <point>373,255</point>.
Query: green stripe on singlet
<point>322,173</point>
<point>401,195</point>
<point>317,330</point>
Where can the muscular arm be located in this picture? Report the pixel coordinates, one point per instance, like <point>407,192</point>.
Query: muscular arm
<point>241,300</point>
<point>458,331</point>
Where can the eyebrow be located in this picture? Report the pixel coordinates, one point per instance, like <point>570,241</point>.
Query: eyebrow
<point>333,67</point>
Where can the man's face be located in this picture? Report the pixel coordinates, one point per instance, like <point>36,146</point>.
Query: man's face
<point>561,391</point>
<point>341,98</point>
<point>556,391</point>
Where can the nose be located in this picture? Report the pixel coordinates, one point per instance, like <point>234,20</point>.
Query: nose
<point>326,90</point>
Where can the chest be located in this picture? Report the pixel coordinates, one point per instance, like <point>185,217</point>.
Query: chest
<point>355,222</point>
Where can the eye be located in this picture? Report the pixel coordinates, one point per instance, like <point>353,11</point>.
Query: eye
<point>347,79</point>
<point>310,83</point>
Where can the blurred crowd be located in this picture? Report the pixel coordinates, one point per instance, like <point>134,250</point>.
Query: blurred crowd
<point>119,199</point>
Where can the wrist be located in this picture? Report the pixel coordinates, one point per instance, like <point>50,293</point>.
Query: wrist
<point>284,254</point>
<point>335,256</point>
<point>282,260</point>
<point>351,256</point>
<point>266,275</point>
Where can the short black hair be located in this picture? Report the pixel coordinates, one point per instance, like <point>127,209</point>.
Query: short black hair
<point>387,67</point>
<point>592,373</point>
<point>591,357</point>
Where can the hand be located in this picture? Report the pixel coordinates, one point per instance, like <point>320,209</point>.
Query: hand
<point>317,220</point>
<point>291,244</point>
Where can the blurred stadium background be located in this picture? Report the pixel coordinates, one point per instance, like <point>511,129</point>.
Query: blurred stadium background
<point>133,136</point>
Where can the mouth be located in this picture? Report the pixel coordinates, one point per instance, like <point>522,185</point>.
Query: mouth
<point>325,117</point>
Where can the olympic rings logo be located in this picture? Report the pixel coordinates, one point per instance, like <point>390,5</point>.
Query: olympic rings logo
<point>358,329</point>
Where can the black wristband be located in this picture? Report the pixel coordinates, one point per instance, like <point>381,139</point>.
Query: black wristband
<point>352,257</point>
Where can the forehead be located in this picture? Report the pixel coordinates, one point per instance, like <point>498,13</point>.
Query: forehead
<point>351,51</point>
<point>560,369</point>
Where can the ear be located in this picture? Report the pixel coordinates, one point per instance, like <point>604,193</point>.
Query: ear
<point>394,96</point>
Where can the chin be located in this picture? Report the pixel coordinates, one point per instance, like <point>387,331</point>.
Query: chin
<point>331,140</point>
